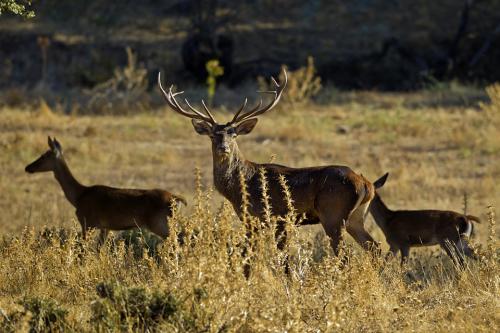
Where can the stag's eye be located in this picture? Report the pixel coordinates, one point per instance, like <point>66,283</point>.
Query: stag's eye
<point>231,131</point>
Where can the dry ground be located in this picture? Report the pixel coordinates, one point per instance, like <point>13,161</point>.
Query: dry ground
<point>434,152</point>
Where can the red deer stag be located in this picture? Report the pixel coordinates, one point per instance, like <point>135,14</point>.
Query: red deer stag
<point>331,195</point>
<point>404,229</point>
<point>107,208</point>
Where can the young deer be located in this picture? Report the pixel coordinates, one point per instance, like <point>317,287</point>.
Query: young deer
<point>404,229</point>
<point>334,196</point>
<point>107,208</point>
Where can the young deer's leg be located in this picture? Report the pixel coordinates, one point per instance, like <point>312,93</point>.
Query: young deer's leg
<point>405,253</point>
<point>393,252</point>
<point>103,234</point>
<point>83,223</point>
<point>356,228</point>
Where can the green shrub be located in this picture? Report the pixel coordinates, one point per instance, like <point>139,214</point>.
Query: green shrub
<point>46,315</point>
<point>131,308</point>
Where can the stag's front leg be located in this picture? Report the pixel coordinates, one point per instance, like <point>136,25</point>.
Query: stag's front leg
<point>281,237</point>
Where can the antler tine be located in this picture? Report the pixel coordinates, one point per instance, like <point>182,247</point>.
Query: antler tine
<point>257,110</point>
<point>239,111</point>
<point>208,111</point>
<point>174,104</point>
<point>210,119</point>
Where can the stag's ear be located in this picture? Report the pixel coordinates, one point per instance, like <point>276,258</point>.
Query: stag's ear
<point>201,127</point>
<point>246,126</point>
<point>381,181</point>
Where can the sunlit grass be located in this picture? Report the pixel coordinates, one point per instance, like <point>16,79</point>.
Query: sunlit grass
<point>434,155</point>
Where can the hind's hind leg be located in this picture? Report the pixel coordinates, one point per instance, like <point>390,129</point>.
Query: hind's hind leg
<point>159,225</point>
<point>463,247</point>
<point>453,252</point>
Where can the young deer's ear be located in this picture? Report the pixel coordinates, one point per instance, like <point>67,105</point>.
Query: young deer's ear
<point>201,127</point>
<point>50,142</point>
<point>57,147</point>
<point>381,181</point>
<point>246,126</point>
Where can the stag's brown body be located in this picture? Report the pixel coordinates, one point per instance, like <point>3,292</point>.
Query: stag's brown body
<point>404,229</point>
<point>108,208</point>
<point>315,190</point>
<point>334,196</point>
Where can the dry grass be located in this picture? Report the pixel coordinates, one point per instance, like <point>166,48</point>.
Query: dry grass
<point>434,155</point>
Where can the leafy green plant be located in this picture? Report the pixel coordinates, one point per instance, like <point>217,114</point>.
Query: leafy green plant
<point>131,307</point>
<point>46,315</point>
<point>214,70</point>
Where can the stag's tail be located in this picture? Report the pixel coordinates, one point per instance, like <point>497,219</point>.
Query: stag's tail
<point>180,200</point>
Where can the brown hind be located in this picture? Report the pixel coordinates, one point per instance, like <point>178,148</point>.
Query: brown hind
<point>108,208</point>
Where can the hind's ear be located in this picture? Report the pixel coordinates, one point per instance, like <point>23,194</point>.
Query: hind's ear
<point>381,181</point>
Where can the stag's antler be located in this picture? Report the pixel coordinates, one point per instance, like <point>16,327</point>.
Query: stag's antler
<point>258,110</point>
<point>174,104</point>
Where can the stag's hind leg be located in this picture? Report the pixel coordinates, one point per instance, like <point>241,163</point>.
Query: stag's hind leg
<point>356,228</point>
<point>333,217</point>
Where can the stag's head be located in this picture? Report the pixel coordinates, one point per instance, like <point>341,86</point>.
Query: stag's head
<point>48,160</point>
<point>223,136</point>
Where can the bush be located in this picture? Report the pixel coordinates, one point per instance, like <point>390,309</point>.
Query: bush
<point>124,92</point>
<point>46,315</point>
<point>303,83</point>
<point>493,107</point>
<point>132,308</point>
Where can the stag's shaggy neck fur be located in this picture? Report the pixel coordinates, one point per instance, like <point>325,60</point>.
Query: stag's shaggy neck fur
<point>71,187</point>
<point>226,169</point>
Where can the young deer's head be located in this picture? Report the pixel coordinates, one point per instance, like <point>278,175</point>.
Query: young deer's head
<point>223,136</point>
<point>48,160</point>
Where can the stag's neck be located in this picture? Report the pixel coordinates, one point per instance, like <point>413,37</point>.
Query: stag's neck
<point>381,213</point>
<point>71,187</point>
<point>227,173</point>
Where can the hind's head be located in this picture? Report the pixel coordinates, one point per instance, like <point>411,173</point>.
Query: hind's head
<point>48,160</point>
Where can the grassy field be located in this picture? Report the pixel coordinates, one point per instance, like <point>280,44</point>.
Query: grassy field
<point>435,152</point>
